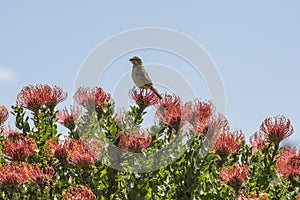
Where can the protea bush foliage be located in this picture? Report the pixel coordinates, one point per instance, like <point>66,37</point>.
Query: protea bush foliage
<point>210,160</point>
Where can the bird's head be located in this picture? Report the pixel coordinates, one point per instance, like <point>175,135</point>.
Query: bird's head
<point>136,60</point>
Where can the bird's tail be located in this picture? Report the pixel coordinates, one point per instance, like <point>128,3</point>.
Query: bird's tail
<point>156,92</point>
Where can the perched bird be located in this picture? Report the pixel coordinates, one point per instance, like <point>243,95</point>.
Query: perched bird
<point>140,77</point>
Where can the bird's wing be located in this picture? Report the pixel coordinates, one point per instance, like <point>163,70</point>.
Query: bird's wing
<point>143,76</point>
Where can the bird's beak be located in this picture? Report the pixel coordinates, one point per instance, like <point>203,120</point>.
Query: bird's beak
<point>131,59</point>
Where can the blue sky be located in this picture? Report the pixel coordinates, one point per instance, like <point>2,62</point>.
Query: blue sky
<point>255,46</point>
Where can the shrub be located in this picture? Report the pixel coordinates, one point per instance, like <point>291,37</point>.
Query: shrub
<point>197,154</point>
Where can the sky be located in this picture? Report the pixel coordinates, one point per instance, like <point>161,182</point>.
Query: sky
<point>254,45</point>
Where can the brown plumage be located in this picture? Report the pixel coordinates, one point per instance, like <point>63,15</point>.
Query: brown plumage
<point>140,76</point>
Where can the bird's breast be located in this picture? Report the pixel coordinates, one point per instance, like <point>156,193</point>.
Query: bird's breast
<point>135,77</point>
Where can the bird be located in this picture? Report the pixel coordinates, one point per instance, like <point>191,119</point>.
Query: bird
<point>140,76</point>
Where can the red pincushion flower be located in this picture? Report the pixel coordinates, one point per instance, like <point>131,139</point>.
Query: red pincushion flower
<point>277,128</point>
<point>235,175</point>
<point>197,111</point>
<point>38,176</point>
<point>228,143</point>
<point>79,155</point>
<point>169,111</point>
<point>69,118</point>
<point>92,98</point>
<point>3,114</point>
<point>258,141</point>
<point>134,141</point>
<point>143,97</point>
<point>216,125</point>
<point>59,149</point>
<point>54,96</point>
<point>255,196</point>
<point>34,97</point>
<point>288,164</point>
<point>14,174</point>
<point>8,131</point>
<point>202,127</point>
<point>18,147</point>
<point>205,110</point>
<point>79,192</point>
<point>94,147</point>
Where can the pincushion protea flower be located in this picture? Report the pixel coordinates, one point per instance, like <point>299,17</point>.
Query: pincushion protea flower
<point>217,125</point>
<point>94,147</point>
<point>288,164</point>
<point>79,154</point>
<point>18,147</point>
<point>194,111</point>
<point>143,97</point>
<point>79,192</point>
<point>277,128</point>
<point>169,111</point>
<point>38,176</point>
<point>259,196</point>
<point>34,97</point>
<point>134,140</point>
<point>3,114</point>
<point>92,98</point>
<point>258,141</point>
<point>235,175</point>
<point>8,131</point>
<point>202,127</point>
<point>14,174</point>
<point>206,111</point>
<point>59,149</point>
<point>69,117</point>
<point>228,143</point>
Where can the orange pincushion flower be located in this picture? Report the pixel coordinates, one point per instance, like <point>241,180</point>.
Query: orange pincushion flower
<point>288,164</point>
<point>277,128</point>
<point>79,192</point>
<point>235,175</point>
<point>134,141</point>
<point>69,117</point>
<point>258,141</point>
<point>94,147</point>
<point>13,174</point>
<point>8,131</point>
<point>80,155</point>
<point>228,143</point>
<point>18,147</point>
<point>215,126</point>
<point>197,111</point>
<point>169,111</point>
<point>143,97</point>
<point>259,196</point>
<point>34,97</point>
<point>92,98</point>
<point>38,176</point>
<point>59,149</point>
